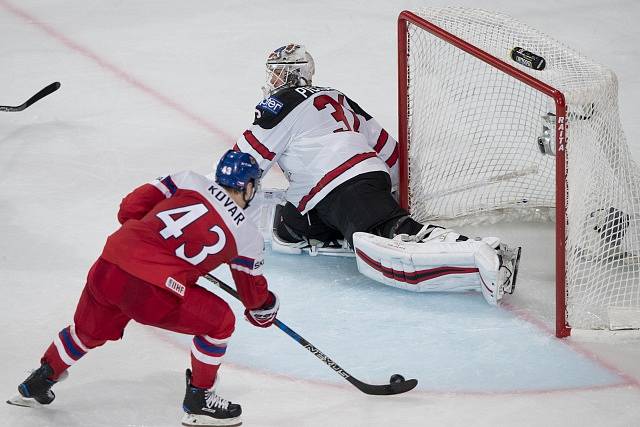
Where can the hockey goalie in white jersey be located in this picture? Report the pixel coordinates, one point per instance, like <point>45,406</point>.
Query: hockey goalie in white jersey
<point>342,168</point>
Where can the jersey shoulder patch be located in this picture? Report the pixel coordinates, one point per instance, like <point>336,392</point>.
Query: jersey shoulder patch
<point>272,110</point>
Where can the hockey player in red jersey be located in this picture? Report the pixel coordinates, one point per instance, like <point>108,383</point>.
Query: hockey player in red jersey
<point>342,168</point>
<point>174,230</point>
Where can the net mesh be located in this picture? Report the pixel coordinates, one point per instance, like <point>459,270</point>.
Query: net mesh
<point>473,150</point>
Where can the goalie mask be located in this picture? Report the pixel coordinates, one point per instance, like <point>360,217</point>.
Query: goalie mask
<point>288,66</point>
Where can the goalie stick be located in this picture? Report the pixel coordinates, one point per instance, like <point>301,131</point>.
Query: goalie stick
<point>38,96</point>
<point>397,385</point>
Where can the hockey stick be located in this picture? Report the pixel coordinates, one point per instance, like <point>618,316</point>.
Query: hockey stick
<point>38,96</point>
<point>397,383</point>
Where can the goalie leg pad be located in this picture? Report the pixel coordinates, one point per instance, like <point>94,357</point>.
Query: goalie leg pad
<point>428,266</point>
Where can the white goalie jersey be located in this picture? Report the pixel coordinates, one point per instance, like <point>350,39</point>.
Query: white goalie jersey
<point>320,139</point>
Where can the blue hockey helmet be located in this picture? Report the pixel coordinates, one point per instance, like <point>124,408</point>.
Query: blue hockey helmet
<point>236,169</point>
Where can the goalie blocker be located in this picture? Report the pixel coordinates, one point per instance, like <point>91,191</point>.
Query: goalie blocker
<point>439,263</point>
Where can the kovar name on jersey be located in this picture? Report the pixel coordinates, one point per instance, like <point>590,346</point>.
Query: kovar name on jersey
<point>233,209</point>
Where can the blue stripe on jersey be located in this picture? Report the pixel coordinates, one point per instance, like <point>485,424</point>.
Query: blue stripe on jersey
<point>207,347</point>
<point>171,186</point>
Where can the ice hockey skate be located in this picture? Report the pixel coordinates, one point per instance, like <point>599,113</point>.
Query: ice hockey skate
<point>507,275</point>
<point>204,407</point>
<point>509,262</point>
<point>36,389</point>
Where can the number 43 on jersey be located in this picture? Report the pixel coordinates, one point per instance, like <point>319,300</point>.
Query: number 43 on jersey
<point>176,228</point>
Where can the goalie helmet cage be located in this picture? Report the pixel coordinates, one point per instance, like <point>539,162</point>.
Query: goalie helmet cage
<point>488,130</point>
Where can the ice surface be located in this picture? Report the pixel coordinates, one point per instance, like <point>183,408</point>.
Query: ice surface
<point>154,87</point>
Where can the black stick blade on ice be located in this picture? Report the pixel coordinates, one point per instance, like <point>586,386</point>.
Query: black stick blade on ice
<point>48,90</point>
<point>397,385</point>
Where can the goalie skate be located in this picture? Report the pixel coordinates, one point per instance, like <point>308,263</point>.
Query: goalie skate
<point>509,262</point>
<point>504,280</point>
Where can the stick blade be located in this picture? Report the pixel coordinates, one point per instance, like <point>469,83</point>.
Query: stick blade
<point>404,386</point>
<point>47,90</point>
<point>387,389</point>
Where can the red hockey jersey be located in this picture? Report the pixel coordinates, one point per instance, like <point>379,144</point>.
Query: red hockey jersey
<point>182,226</point>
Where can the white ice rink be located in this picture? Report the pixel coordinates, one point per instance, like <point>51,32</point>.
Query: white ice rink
<point>154,87</point>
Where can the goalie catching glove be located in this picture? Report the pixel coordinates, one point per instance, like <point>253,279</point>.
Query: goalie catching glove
<point>265,315</point>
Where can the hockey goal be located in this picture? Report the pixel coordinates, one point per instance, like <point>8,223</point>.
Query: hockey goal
<point>496,117</point>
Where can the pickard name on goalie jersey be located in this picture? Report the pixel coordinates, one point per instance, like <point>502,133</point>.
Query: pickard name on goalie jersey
<point>182,226</point>
<point>320,138</point>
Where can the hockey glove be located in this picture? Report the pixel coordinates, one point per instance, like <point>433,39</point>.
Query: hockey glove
<point>265,315</point>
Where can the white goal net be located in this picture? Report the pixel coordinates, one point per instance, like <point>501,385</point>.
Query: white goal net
<point>500,118</point>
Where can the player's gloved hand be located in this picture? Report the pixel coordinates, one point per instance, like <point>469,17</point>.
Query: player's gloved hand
<point>264,316</point>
